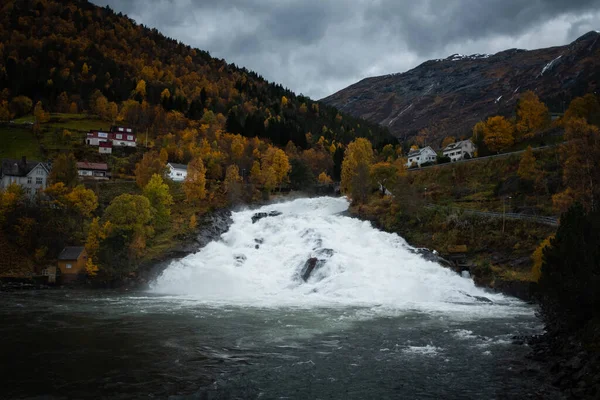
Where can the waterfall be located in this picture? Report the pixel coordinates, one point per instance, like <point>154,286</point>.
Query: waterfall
<point>262,262</point>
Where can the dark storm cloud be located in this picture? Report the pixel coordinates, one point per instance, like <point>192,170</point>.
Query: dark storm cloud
<point>320,46</point>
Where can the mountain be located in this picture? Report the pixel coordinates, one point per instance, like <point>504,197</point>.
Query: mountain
<point>448,97</point>
<point>61,52</point>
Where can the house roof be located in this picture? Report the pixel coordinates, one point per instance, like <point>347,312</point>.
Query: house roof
<point>21,167</point>
<point>71,253</point>
<point>414,153</point>
<point>178,166</point>
<point>94,166</point>
<point>456,145</point>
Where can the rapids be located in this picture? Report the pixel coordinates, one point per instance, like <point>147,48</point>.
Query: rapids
<point>259,265</point>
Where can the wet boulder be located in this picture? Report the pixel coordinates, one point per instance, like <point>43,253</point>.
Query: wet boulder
<point>258,216</point>
<point>309,267</point>
<point>239,259</point>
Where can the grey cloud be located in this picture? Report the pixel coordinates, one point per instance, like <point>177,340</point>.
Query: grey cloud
<point>318,47</point>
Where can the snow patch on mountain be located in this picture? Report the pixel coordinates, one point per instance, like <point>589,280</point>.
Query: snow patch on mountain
<point>549,65</point>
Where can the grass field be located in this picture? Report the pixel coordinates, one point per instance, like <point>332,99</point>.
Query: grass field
<point>16,142</point>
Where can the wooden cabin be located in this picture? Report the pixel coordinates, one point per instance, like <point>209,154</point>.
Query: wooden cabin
<point>72,260</point>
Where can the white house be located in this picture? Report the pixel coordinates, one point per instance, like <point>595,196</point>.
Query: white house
<point>118,136</point>
<point>32,176</point>
<point>421,156</point>
<point>177,172</point>
<point>97,171</point>
<point>458,151</point>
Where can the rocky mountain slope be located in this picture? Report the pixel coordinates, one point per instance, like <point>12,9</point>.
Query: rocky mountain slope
<point>447,97</point>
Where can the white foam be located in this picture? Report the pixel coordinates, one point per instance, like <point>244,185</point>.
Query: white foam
<point>428,350</point>
<point>369,268</point>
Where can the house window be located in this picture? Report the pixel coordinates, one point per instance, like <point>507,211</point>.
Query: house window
<point>120,129</point>
<point>40,172</point>
<point>29,180</point>
<point>129,130</point>
<point>119,136</point>
<point>102,135</point>
<point>130,137</point>
<point>179,174</point>
<point>68,266</point>
<point>39,181</point>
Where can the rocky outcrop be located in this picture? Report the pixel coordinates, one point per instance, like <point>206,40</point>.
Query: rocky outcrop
<point>258,216</point>
<point>448,97</point>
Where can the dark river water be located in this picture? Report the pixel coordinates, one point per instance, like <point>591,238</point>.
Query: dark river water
<point>68,344</point>
<point>241,319</point>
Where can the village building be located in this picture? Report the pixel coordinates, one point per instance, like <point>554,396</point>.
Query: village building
<point>71,262</point>
<point>117,137</point>
<point>94,138</point>
<point>177,172</point>
<point>32,176</point>
<point>421,156</point>
<point>105,148</point>
<point>97,171</point>
<point>124,137</point>
<point>460,150</point>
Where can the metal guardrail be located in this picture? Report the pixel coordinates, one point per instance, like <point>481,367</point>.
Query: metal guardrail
<point>546,220</point>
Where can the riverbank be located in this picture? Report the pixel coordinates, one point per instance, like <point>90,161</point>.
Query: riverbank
<point>570,360</point>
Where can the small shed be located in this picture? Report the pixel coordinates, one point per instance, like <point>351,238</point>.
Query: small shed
<point>72,260</point>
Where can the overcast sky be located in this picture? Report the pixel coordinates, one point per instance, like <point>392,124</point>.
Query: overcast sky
<point>318,47</point>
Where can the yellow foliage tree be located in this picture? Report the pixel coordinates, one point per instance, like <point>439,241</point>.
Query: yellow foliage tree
<point>355,169</point>
<point>532,115</point>
<point>152,163</point>
<point>448,140</point>
<point>40,115</point>
<point>195,182</point>
<point>528,168</point>
<point>140,88</point>
<point>498,134</point>
<point>324,179</point>
<point>538,259</point>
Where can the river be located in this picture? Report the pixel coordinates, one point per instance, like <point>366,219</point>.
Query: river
<point>374,320</point>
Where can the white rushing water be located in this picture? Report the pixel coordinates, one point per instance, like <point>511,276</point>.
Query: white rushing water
<point>364,267</point>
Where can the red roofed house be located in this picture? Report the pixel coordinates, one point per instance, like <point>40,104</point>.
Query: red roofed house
<point>123,136</point>
<point>87,170</point>
<point>94,138</point>
<point>105,148</point>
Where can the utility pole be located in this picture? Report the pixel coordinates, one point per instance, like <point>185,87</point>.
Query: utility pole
<point>504,212</point>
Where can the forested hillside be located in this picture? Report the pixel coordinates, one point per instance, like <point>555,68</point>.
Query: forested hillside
<point>67,67</point>
<point>62,52</point>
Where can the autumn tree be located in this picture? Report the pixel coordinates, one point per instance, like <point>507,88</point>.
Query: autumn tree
<point>356,169</point>
<point>21,105</point>
<point>579,155</point>
<point>275,167</point>
<point>40,115</point>
<point>448,140</point>
<point>384,175</point>
<point>388,153</point>
<point>324,179</point>
<point>83,200</point>
<point>64,169</point>
<point>5,114</point>
<point>538,258</point>
<point>498,134</point>
<point>195,182</point>
<point>129,216</point>
<point>586,107</point>
<point>160,199</point>
<point>150,165</point>
<point>233,184</point>
<point>532,115</point>
<point>528,168</point>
